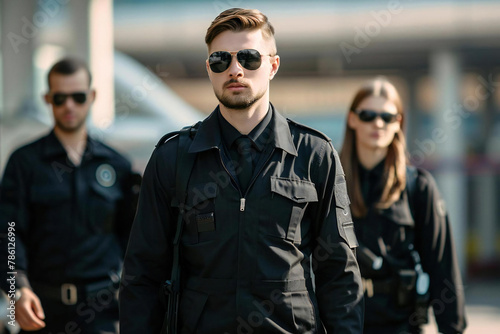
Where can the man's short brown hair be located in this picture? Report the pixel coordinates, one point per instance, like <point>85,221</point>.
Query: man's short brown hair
<point>68,66</point>
<point>239,19</point>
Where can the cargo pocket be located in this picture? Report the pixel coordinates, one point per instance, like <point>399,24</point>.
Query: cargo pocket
<point>344,218</point>
<point>200,222</point>
<point>289,201</point>
<point>296,313</point>
<point>103,206</point>
<point>190,310</point>
<point>398,231</point>
<point>303,312</point>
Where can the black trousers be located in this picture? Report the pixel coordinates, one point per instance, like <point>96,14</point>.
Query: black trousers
<point>96,315</point>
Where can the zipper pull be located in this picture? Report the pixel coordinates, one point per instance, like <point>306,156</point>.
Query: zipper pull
<point>242,204</point>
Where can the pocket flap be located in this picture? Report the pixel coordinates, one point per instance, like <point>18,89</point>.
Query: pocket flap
<point>399,213</point>
<point>299,191</point>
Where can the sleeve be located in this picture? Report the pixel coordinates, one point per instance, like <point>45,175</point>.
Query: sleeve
<point>14,220</point>
<point>148,259</point>
<point>337,276</point>
<point>434,241</point>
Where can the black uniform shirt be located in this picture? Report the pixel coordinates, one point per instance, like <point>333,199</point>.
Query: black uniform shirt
<point>371,183</point>
<point>71,222</point>
<point>427,226</point>
<point>254,261</point>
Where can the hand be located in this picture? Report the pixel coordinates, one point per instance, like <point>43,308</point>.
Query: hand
<point>29,311</point>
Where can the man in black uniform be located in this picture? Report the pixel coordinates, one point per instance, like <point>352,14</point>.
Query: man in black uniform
<point>66,205</point>
<point>265,197</point>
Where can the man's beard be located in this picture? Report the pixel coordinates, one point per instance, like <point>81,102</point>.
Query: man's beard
<point>238,101</point>
<point>70,129</point>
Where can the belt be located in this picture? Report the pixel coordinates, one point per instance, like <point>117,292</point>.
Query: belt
<point>225,286</point>
<point>378,286</point>
<point>70,294</point>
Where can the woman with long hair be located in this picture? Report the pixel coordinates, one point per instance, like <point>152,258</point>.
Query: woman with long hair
<point>406,253</point>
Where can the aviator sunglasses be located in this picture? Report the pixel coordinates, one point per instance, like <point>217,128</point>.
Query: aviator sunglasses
<point>370,115</point>
<point>220,61</point>
<point>59,98</point>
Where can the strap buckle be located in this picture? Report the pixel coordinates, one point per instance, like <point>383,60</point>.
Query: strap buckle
<point>69,294</point>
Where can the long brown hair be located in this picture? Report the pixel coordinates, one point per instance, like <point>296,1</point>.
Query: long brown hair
<point>394,176</point>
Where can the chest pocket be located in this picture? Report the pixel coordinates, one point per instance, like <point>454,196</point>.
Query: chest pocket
<point>103,207</point>
<point>289,201</point>
<point>200,222</point>
<point>398,232</point>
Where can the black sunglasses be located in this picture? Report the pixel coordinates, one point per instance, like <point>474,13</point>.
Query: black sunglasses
<point>250,59</point>
<point>370,115</point>
<point>59,98</point>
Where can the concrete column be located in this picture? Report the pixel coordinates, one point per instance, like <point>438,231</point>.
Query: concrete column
<point>1,64</point>
<point>485,202</point>
<point>78,29</point>
<point>21,26</point>
<point>102,61</point>
<point>484,190</point>
<point>412,112</point>
<point>449,143</point>
<point>92,40</point>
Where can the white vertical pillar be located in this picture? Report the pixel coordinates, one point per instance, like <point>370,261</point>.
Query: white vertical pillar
<point>1,62</point>
<point>485,194</point>
<point>102,61</point>
<point>450,151</point>
<point>485,202</point>
<point>20,33</point>
<point>92,31</point>
<point>78,27</point>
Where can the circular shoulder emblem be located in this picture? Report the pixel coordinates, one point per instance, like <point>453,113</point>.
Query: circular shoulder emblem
<point>105,175</point>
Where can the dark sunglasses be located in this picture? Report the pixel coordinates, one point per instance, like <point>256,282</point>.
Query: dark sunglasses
<point>370,115</point>
<point>58,99</point>
<point>220,61</point>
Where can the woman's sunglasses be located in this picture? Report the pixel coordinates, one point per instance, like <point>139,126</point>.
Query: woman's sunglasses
<point>370,115</point>
<point>220,61</point>
<point>58,99</point>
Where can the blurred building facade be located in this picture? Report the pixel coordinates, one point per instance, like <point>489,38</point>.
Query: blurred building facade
<point>442,55</point>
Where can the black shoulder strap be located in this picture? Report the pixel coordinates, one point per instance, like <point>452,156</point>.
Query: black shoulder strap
<point>411,185</point>
<point>183,168</point>
<point>166,138</point>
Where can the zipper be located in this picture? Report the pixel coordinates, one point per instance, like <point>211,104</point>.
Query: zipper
<point>252,181</point>
<point>242,198</point>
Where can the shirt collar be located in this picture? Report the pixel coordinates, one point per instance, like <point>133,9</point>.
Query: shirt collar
<point>209,133</point>
<point>230,134</point>
<point>375,173</point>
<point>282,136</point>
<point>53,147</point>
